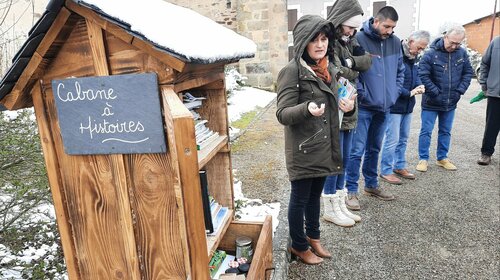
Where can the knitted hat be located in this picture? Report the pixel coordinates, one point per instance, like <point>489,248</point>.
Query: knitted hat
<point>355,21</point>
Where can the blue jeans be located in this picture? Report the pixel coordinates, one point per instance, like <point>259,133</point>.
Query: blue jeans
<point>334,183</point>
<point>396,140</point>
<point>366,143</point>
<point>305,201</point>
<point>445,123</point>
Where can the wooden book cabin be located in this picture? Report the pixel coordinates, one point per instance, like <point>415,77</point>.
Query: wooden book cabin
<point>132,215</point>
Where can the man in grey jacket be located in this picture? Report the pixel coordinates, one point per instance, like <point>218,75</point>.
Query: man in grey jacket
<point>489,78</point>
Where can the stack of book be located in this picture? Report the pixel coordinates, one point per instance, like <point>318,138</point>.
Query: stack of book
<point>191,102</point>
<point>204,135</point>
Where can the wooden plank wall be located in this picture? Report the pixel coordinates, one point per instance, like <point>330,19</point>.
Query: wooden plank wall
<point>121,210</point>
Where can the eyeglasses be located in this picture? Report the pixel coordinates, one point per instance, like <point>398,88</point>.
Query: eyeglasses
<point>454,44</point>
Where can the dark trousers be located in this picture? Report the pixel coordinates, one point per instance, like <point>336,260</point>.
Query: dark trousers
<point>492,126</point>
<point>305,201</point>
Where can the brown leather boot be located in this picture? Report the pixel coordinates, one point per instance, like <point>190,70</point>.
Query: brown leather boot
<point>318,249</point>
<point>307,257</point>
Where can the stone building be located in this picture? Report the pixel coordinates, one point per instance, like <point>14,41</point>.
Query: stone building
<point>263,21</point>
<point>479,31</point>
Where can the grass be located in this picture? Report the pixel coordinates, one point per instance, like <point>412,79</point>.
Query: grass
<point>245,119</point>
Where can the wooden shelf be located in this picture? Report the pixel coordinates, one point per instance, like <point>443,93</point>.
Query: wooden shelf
<point>213,241</point>
<point>206,154</point>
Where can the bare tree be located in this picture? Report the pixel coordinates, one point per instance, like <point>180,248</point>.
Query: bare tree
<point>12,37</point>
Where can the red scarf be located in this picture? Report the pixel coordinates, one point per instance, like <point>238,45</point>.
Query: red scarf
<point>321,70</point>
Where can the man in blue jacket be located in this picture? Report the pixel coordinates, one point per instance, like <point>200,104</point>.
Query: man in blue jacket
<point>446,73</point>
<point>398,125</point>
<point>378,89</point>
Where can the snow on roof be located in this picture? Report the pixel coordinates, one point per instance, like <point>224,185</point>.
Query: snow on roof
<point>178,29</point>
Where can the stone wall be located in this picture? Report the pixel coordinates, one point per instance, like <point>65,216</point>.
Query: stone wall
<point>263,21</point>
<point>222,11</point>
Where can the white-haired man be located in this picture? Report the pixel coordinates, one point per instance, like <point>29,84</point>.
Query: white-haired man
<point>446,72</point>
<point>393,164</point>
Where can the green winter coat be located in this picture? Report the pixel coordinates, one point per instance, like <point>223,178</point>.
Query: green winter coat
<point>341,11</point>
<point>311,143</point>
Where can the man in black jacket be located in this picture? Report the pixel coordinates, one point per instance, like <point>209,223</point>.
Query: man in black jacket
<point>489,78</point>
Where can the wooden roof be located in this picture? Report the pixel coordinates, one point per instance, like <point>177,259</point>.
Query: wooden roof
<point>49,33</point>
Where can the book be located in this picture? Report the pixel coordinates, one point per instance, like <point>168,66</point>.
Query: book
<point>214,210</point>
<point>345,90</point>
<point>203,144</point>
<point>216,261</point>
<point>188,97</point>
<point>193,104</point>
<point>209,227</point>
<point>224,266</point>
<point>220,220</point>
<point>203,135</point>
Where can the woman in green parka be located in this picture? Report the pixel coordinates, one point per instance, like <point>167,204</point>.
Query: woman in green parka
<point>307,106</point>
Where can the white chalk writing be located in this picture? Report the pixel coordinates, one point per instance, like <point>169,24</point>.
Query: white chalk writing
<point>105,127</point>
<point>107,111</point>
<point>84,95</point>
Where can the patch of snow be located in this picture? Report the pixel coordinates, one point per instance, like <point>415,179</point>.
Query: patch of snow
<point>10,115</point>
<point>253,210</point>
<point>247,99</point>
<point>179,29</point>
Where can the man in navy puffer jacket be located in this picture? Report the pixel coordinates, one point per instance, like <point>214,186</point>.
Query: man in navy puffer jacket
<point>446,73</point>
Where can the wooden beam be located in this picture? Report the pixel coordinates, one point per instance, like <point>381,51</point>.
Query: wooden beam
<point>117,161</point>
<point>97,46</point>
<point>125,36</point>
<point>187,155</point>
<point>175,63</point>
<point>56,188</point>
<point>100,21</point>
<point>20,93</point>
<point>199,81</point>
<point>173,108</point>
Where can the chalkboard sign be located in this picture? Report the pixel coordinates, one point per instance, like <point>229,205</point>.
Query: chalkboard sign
<point>110,115</point>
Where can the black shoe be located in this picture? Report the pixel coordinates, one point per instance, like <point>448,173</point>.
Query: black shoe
<point>484,160</point>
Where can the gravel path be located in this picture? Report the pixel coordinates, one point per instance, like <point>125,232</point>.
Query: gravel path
<point>443,225</point>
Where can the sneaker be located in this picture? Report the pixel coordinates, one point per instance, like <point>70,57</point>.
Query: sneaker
<point>352,202</point>
<point>446,164</point>
<point>422,165</point>
<point>404,173</point>
<point>484,160</point>
<point>379,193</point>
<point>391,179</point>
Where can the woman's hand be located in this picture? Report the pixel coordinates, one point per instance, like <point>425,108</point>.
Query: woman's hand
<point>347,104</point>
<point>315,110</point>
